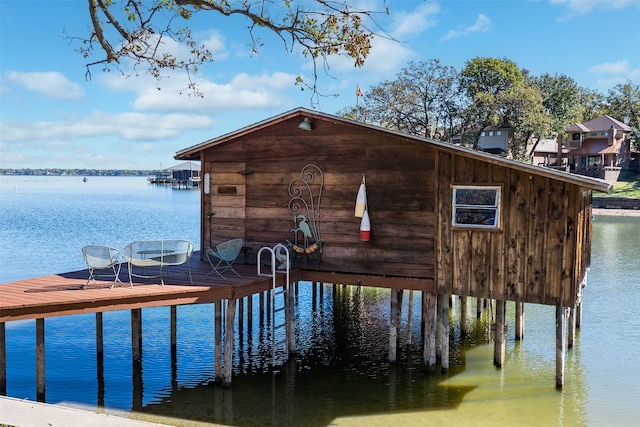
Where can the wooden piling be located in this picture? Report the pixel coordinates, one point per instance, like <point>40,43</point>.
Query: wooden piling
<point>228,345</point>
<point>519,333</point>
<point>241,316</point>
<point>429,332</point>
<point>579,314</point>
<point>560,344</point>
<point>393,327</point>
<point>443,326</point>
<point>173,326</point>
<point>499,342</point>
<point>290,321</point>
<point>99,339</point>
<point>3,360</point>
<point>399,315</point>
<point>100,357</point>
<point>463,314</point>
<point>478,307</point>
<point>409,316</point>
<point>40,361</point>
<point>261,304</point>
<point>217,353</point>
<point>136,335</point>
<point>571,335</point>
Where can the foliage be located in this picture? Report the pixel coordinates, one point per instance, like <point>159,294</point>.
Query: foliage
<point>485,80</point>
<point>591,104</point>
<point>623,102</point>
<point>625,188</point>
<point>433,100</point>
<point>489,75</point>
<point>422,100</point>
<point>560,98</point>
<point>127,34</point>
<point>523,110</point>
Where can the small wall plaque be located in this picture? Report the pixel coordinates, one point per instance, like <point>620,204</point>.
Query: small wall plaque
<point>227,189</point>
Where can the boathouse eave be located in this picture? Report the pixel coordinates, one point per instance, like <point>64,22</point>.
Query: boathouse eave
<point>594,184</point>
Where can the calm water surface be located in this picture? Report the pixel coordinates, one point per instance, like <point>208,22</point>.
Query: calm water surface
<point>340,375</point>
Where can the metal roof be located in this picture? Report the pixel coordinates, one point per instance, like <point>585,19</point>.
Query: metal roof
<point>595,184</point>
<point>596,147</point>
<point>602,123</point>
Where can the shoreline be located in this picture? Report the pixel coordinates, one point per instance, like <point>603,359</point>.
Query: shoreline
<point>616,212</point>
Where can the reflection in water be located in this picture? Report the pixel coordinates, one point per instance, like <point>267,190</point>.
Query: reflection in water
<point>340,368</point>
<point>340,375</point>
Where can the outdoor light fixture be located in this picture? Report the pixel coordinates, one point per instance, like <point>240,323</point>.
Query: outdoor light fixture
<point>207,183</point>
<point>305,124</point>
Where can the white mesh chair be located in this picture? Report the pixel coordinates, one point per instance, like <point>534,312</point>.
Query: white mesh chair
<point>180,252</point>
<point>223,257</point>
<point>99,257</point>
<point>157,253</point>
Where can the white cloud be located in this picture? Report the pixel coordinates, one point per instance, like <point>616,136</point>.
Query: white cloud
<point>244,91</point>
<point>482,25</point>
<point>620,67</point>
<point>614,72</point>
<point>386,57</point>
<point>126,126</point>
<point>51,84</point>
<point>414,22</point>
<point>585,6</point>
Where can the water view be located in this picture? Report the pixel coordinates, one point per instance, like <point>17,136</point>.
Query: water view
<point>340,376</point>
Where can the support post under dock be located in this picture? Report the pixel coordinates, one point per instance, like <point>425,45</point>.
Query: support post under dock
<point>499,342</point>
<point>40,366</point>
<point>429,333</point>
<point>561,315</point>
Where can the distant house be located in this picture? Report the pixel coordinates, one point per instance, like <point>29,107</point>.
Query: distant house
<point>544,152</point>
<point>495,140</point>
<point>599,148</point>
<point>185,175</point>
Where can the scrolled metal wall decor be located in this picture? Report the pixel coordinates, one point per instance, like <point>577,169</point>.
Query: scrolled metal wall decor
<point>304,205</point>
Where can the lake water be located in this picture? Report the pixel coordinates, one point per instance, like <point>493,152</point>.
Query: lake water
<point>340,376</point>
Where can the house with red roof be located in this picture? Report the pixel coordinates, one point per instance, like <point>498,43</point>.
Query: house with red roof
<point>599,148</point>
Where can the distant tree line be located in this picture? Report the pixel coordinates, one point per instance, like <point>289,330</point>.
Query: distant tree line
<point>75,172</point>
<point>437,101</point>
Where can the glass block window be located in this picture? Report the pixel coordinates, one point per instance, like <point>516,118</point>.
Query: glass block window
<point>476,206</point>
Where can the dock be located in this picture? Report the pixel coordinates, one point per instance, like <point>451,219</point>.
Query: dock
<point>63,295</point>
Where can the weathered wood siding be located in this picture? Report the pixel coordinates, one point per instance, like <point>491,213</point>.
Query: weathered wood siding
<point>541,250</point>
<point>539,253</point>
<point>401,190</point>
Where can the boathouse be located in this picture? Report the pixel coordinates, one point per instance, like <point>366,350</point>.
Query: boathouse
<point>363,205</point>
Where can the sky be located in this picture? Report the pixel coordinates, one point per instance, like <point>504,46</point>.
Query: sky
<point>52,116</point>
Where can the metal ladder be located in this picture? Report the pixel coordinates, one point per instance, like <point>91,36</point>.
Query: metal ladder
<point>281,311</point>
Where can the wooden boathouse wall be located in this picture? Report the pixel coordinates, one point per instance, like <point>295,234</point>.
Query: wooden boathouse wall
<point>249,196</point>
<point>538,254</point>
<point>541,250</point>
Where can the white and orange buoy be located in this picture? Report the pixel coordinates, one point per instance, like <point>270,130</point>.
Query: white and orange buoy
<point>365,227</point>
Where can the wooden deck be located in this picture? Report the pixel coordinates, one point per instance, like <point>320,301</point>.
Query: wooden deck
<point>62,294</point>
